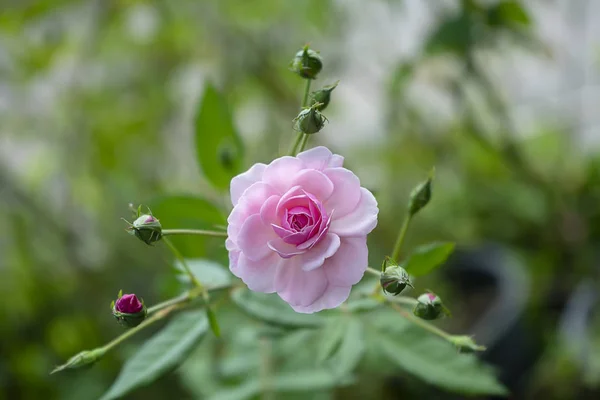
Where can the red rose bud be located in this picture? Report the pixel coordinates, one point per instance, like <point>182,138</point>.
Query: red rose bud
<point>429,306</point>
<point>146,227</point>
<point>129,310</point>
<point>307,63</point>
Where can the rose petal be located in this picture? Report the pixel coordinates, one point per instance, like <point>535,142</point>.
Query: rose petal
<point>326,248</point>
<point>285,250</point>
<point>268,213</point>
<point>299,287</point>
<point>281,172</point>
<point>314,182</point>
<point>361,220</point>
<point>258,275</point>
<point>348,265</point>
<point>331,298</point>
<point>336,161</point>
<point>253,238</point>
<point>316,158</point>
<point>243,181</point>
<point>346,192</point>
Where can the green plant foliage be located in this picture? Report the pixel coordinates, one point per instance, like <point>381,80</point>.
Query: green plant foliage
<point>161,354</point>
<point>218,147</point>
<point>425,259</point>
<point>208,272</point>
<point>430,358</point>
<point>270,308</point>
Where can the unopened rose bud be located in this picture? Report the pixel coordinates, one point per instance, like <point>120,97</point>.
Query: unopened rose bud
<point>129,310</point>
<point>394,280</point>
<point>146,227</point>
<point>323,96</point>
<point>429,306</point>
<point>307,63</point>
<point>420,196</point>
<point>465,344</point>
<point>310,120</point>
<point>83,359</point>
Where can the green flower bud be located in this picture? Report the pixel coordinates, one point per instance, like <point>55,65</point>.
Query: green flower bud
<point>429,306</point>
<point>307,63</point>
<point>129,310</point>
<point>310,120</point>
<point>420,196</point>
<point>323,96</point>
<point>394,280</point>
<point>465,344</point>
<point>83,359</point>
<point>146,227</point>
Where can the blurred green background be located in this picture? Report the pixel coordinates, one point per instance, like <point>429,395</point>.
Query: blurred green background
<point>97,105</point>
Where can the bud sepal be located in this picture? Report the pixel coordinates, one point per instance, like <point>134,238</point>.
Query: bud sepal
<point>310,120</point>
<point>323,96</point>
<point>394,279</point>
<point>307,63</point>
<point>429,307</point>
<point>129,310</point>
<point>145,227</point>
<point>85,358</point>
<point>420,195</point>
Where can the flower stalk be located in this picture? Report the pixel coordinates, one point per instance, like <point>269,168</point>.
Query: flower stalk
<point>199,232</point>
<point>300,137</point>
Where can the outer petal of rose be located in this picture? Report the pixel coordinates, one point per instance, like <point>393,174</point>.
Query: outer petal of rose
<point>346,193</point>
<point>243,181</point>
<point>331,298</point>
<point>314,182</point>
<point>253,238</point>
<point>316,256</point>
<point>348,265</point>
<point>336,161</point>
<point>285,250</point>
<point>250,203</point>
<point>359,222</point>
<point>257,275</point>
<point>316,158</point>
<point>281,171</point>
<point>299,287</point>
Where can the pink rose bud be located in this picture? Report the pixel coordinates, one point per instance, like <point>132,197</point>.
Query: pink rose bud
<point>145,227</point>
<point>129,310</point>
<point>429,306</point>
<point>299,228</point>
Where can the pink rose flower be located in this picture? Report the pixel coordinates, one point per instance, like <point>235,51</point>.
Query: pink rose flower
<point>299,228</point>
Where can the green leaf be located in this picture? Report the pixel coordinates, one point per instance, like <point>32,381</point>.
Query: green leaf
<point>161,354</point>
<point>351,349</point>
<point>426,258</point>
<point>218,146</point>
<point>208,272</point>
<point>270,308</point>
<point>305,381</point>
<point>212,320</point>
<point>509,12</point>
<point>246,390</point>
<point>331,337</point>
<point>434,360</point>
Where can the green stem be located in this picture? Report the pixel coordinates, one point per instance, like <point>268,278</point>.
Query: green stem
<point>303,142</point>
<point>201,232</point>
<point>373,271</point>
<point>300,136</point>
<point>418,321</point>
<point>400,239</point>
<point>181,259</point>
<point>175,300</point>
<point>147,322</point>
